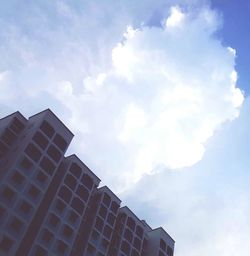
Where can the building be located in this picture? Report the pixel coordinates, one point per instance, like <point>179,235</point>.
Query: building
<point>52,205</point>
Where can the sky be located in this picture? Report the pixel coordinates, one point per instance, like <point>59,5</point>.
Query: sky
<point>157,95</point>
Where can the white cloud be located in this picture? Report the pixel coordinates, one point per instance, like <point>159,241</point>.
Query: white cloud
<point>176,17</point>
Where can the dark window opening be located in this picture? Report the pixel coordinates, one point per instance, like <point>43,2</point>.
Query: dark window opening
<point>87,181</point>
<point>107,232</point>
<point>83,193</point>
<point>104,244</point>
<point>103,211</point>
<point>137,243</point>
<point>47,129</point>
<point>40,140</point>
<point>99,224</point>
<point>90,249</point>
<point>8,194</point>
<point>25,208</point>
<point>39,251</point>
<point>33,152</point>
<point>170,251</point>
<point>75,170</point>
<point>135,253</point>
<point>60,206</point>
<point>26,164</point>
<point>114,207</point>
<point>161,253</point>
<point>70,181</point>
<point>8,136</point>
<point>33,192</point>
<point>47,166</point>
<point>60,142</point>
<point>128,235</point>
<point>54,153</point>
<point>17,178</point>
<point>2,213</point>
<point>95,235</point>
<point>6,244</point>
<point>61,247</point>
<point>106,199</point>
<point>47,236</point>
<point>163,245</point>
<point>67,231</point>
<point>111,219</point>
<point>65,194</point>
<point>139,231</point>
<point>16,225</point>
<point>3,148</point>
<point>54,220</point>
<point>78,205</point>
<point>131,223</point>
<point>16,126</point>
<point>41,177</point>
<point>125,247</point>
<point>73,217</point>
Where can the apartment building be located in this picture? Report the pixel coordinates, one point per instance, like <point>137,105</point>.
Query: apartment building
<point>51,204</point>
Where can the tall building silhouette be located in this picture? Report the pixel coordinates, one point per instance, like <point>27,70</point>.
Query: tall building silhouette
<point>51,204</point>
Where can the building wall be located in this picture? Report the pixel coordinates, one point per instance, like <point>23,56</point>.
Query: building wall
<point>51,204</point>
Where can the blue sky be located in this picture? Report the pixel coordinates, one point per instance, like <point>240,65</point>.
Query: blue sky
<point>157,96</point>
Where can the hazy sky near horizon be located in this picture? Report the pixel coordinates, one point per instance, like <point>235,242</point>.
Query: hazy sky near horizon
<point>157,95</point>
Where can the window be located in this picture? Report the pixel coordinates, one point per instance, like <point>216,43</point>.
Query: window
<point>73,217</point>
<point>137,243</point>
<point>3,148</point>
<point>106,199</point>
<point>6,244</point>
<point>61,247</point>
<point>2,213</point>
<point>161,253</point>
<point>135,253</point>
<point>131,223</point>
<point>8,136</point>
<point>139,231</point>
<point>47,236</point>
<point>17,179</point>
<point>54,153</point>
<point>70,181</point>
<point>103,211</point>
<point>65,194</point>
<point>26,164</point>
<point>104,244</point>
<point>53,220</point>
<point>90,249</point>
<point>163,245</point>
<point>41,177</point>
<point>114,207</point>
<point>16,125</point>
<point>67,231</point>
<point>95,235</point>
<point>25,208</point>
<point>60,142</point>
<point>75,170</point>
<point>47,166</point>
<point>169,251</point>
<point>87,181</point>
<point>33,152</point>
<point>40,140</point>
<point>78,205</point>
<point>128,235</point>
<point>39,251</point>
<point>83,193</point>
<point>125,247</point>
<point>8,195</point>
<point>107,232</point>
<point>47,129</point>
<point>33,192</point>
<point>60,206</point>
<point>111,219</point>
<point>16,225</point>
<point>99,224</point>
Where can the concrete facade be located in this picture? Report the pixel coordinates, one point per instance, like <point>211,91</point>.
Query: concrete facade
<point>51,204</point>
